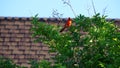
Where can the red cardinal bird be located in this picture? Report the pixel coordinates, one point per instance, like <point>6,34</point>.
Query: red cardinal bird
<point>67,24</point>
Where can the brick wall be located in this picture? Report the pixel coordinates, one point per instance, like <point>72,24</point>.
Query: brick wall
<point>16,41</point>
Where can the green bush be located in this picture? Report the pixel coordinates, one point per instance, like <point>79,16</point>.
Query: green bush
<point>99,47</point>
<point>7,63</point>
<point>34,64</point>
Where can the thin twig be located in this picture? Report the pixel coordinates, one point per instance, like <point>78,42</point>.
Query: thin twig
<point>68,3</point>
<point>104,11</point>
<point>56,14</point>
<point>88,10</point>
<point>93,6</point>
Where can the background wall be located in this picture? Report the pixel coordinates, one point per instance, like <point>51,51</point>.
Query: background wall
<point>17,44</point>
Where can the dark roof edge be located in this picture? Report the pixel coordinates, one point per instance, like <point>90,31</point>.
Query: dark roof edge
<point>113,19</point>
<point>30,18</point>
<point>45,19</point>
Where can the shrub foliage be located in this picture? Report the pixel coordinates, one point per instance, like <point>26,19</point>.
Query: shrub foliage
<point>88,43</point>
<point>7,63</point>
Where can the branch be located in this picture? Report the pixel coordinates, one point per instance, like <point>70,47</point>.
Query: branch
<point>68,3</point>
<point>93,7</point>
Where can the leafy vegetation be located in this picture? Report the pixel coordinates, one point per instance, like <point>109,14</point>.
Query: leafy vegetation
<point>98,47</point>
<point>7,63</point>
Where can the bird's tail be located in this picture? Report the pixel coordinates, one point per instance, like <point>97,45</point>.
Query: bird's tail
<point>62,29</point>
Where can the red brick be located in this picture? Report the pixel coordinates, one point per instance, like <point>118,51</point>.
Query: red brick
<point>7,35</point>
<point>14,43</point>
<point>2,26</point>
<point>3,35</point>
<point>4,22</point>
<point>38,52</point>
<point>7,44</point>
<point>27,23</point>
<point>19,43</point>
<point>45,48</point>
<point>35,48</point>
<point>21,56</point>
<point>16,31</point>
<point>32,52</point>
<point>17,52</point>
<point>1,40</point>
<point>7,39</point>
<point>11,47</point>
<point>17,39</point>
<point>47,56</point>
<point>0,43</point>
<point>16,56</point>
<point>5,47</point>
<point>11,56</point>
<point>20,35</point>
<point>13,35</point>
<point>27,52</point>
<point>27,44</point>
<point>37,44</point>
<point>27,31</point>
<point>27,48</point>
<point>27,40</point>
<point>44,52</point>
<point>22,31</point>
<point>7,52</point>
<point>27,27</point>
<point>21,47</point>
<point>19,23</point>
<point>4,30</point>
<point>13,31</point>
<point>21,27</point>
<point>41,56</point>
<point>11,27</point>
